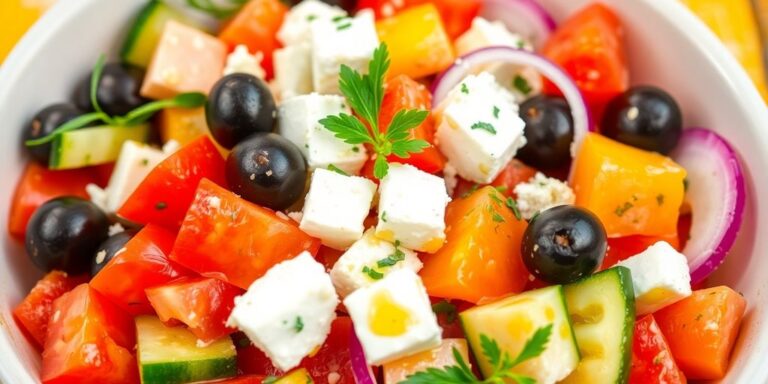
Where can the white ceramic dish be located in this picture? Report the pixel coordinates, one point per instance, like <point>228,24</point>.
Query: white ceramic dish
<point>668,47</point>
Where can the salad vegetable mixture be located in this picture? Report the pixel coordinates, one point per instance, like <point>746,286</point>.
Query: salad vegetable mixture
<point>381,191</point>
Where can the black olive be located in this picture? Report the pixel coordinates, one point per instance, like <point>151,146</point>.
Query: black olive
<point>267,169</point>
<point>548,131</point>
<point>108,249</point>
<point>347,5</point>
<point>239,106</point>
<point>563,244</point>
<point>44,122</point>
<point>64,233</point>
<point>644,117</point>
<point>118,90</point>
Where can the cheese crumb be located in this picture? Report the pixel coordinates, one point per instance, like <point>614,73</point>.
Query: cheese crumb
<point>541,193</point>
<point>241,61</point>
<point>115,228</point>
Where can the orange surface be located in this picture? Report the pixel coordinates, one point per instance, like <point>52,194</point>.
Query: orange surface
<point>439,357</point>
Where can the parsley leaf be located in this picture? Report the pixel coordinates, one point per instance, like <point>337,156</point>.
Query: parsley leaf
<point>512,204</point>
<point>392,259</point>
<point>334,168</point>
<point>464,89</point>
<point>500,361</point>
<point>372,273</point>
<point>447,308</point>
<point>298,325</point>
<point>484,126</point>
<point>365,94</point>
<point>496,111</point>
<point>521,84</point>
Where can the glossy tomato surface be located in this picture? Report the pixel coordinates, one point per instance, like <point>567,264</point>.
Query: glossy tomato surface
<point>652,361</point>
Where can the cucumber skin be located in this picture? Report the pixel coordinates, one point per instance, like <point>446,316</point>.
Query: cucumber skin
<point>135,32</point>
<point>188,371</point>
<point>141,133</point>
<point>628,292</point>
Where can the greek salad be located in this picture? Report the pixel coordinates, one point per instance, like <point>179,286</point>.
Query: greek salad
<point>375,191</point>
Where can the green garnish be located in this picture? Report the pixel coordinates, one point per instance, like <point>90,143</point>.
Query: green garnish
<point>392,259</point>
<point>135,117</point>
<point>343,26</point>
<point>484,126</point>
<point>496,111</point>
<point>336,19</point>
<point>500,361</point>
<point>464,89</point>
<point>384,216</point>
<point>311,17</point>
<point>365,93</point>
<point>497,217</point>
<point>372,273</point>
<point>521,84</point>
<point>622,209</point>
<point>213,8</point>
<point>447,308</point>
<point>470,191</point>
<point>512,204</point>
<point>161,205</point>
<point>298,325</point>
<point>336,169</point>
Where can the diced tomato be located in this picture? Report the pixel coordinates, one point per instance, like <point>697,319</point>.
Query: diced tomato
<point>256,26</point>
<point>38,184</point>
<point>481,257</point>
<point>332,357</point>
<point>652,361</point>
<point>402,92</point>
<point>167,192</point>
<point>589,46</point>
<point>226,237</point>
<point>622,248</point>
<point>513,174</point>
<point>203,304</point>
<point>33,313</point>
<point>702,329</point>
<point>144,264</point>
<point>89,341</point>
<point>328,256</point>
<point>457,15</point>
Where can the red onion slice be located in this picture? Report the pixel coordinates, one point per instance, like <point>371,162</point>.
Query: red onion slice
<point>716,194</point>
<point>524,17</point>
<point>362,372</point>
<point>464,65</point>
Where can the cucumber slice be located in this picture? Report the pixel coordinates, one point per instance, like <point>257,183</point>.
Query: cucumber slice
<point>93,146</point>
<point>170,355</point>
<point>512,321</point>
<point>602,309</point>
<point>142,39</point>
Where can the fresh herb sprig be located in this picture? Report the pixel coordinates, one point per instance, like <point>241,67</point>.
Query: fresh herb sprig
<point>365,94</point>
<point>134,117</point>
<point>500,361</point>
<point>213,7</point>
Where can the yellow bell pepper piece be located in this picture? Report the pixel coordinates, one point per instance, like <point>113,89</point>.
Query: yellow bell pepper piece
<point>16,16</point>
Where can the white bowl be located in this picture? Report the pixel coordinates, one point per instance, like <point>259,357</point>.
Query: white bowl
<point>668,47</point>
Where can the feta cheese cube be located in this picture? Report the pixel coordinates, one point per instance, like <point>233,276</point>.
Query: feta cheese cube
<point>521,80</point>
<point>299,122</point>
<point>185,60</point>
<point>241,61</point>
<point>335,208</point>
<point>660,276</point>
<point>288,312</point>
<point>540,193</point>
<point>412,208</point>
<point>293,70</point>
<point>479,129</point>
<point>349,41</point>
<point>133,164</point>
<point>297,24</point>
<point>393,317</point>
<point>370,254</point>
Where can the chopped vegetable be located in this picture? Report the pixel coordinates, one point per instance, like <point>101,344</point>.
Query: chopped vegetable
<point>652,361</point>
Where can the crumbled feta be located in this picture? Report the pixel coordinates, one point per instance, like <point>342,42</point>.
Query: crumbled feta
<point>352,270</point>
<point>479,129</point>
<point>660,276</point>
<point>393,317</point>
<point>521,80</point>
<point>293,70</point>
<point>349,41</point>
<point>115,228</point>
<point>299,122</point>
<point>412,208</point>
<point>241,61</point>
<point>298,22</point>
<point>288,312</point>
<point>335,208</point>
<point>540,193</point>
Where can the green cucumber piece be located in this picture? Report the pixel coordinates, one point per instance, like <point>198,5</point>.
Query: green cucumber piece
<point>142,39</point>
<point>512,321</point>
<point>602,308</point>
<point>93,146</point>
<point>170,355</point>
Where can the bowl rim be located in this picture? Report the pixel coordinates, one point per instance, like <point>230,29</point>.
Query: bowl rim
<point>686,23</point>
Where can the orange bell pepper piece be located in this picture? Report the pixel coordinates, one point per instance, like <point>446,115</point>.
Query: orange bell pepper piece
<point>701,330</point>
<point>481,257</point>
